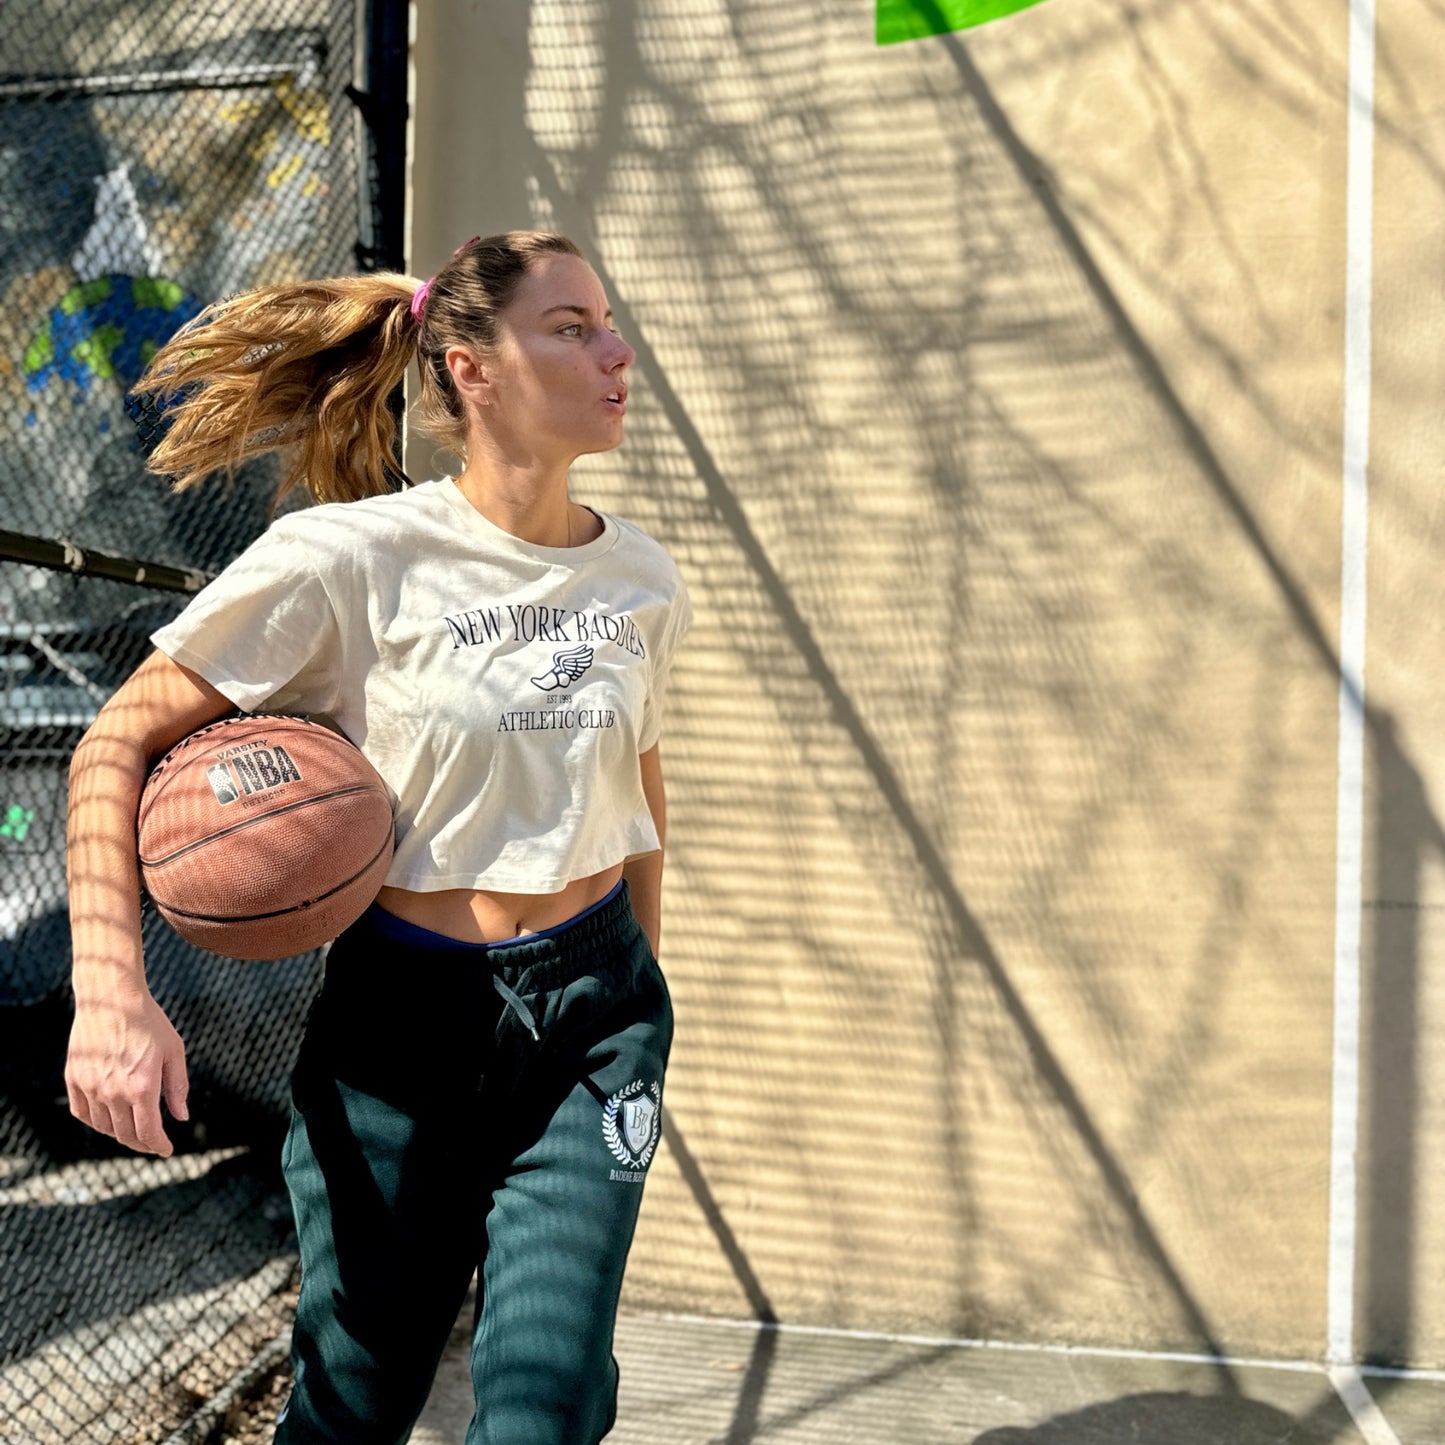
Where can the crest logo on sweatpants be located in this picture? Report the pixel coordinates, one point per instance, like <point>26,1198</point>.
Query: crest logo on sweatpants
<point>631,1125</point>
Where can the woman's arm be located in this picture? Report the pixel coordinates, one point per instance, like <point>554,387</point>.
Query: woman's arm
<point>123,1049</point>
<point>643,871</point>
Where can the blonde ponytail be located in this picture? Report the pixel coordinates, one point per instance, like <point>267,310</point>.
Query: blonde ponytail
<point>306,368</point>
<point>309,368</point>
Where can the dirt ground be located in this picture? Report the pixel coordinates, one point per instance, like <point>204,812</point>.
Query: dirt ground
<point>251,1420</point>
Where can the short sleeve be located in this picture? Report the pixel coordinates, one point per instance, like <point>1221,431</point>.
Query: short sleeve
<point>264,632</point>
<point>678,621</point>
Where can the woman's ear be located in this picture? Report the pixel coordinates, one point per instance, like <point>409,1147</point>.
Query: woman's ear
<point>470,374</point>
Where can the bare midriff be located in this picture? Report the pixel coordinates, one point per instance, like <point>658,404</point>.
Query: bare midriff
<point>478,915</point>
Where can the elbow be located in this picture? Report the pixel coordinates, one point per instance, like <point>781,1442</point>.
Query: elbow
<point>106,750</point>
<point>84,756</point>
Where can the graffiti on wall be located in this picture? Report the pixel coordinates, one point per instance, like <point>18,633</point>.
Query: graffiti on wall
<point>912,19</point>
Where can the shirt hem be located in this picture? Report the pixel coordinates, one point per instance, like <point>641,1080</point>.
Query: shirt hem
<point>238,693</point>
<point>520,882</point>
<point>529,884</point>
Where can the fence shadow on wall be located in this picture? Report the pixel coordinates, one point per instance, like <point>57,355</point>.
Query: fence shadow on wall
<point>731,214</point>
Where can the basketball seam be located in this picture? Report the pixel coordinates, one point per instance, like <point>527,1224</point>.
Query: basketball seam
<point>244,823</point>
<point>280,912</point>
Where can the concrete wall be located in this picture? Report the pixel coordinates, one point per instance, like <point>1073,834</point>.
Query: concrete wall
<point>990,395</point>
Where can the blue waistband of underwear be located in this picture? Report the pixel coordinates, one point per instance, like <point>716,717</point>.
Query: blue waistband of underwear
<point>402,931</point>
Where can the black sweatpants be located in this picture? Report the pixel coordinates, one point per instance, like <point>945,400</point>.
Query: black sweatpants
<point>463,1106</point>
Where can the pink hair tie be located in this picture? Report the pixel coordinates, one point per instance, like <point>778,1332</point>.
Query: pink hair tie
<point>418,297</point>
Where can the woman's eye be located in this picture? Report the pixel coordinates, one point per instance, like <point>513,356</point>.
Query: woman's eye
<point>572,326</point>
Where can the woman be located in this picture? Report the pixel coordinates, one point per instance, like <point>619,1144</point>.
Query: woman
<point>479,1085</point>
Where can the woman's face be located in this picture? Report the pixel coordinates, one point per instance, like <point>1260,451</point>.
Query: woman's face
<point>557,382</point>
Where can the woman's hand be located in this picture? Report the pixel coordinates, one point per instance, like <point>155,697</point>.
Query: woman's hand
<point>124,1055</point>
<point>124,1051</point>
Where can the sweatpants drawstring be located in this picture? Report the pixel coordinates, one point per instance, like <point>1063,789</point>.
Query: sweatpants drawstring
<point>517,1005</point>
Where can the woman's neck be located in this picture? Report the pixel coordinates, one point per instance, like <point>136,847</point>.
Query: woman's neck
<point>526,502</point>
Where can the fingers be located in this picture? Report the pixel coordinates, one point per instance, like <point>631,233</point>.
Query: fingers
<point>79,1104</point>
<point>134,1123</point>
<point>125,1056</point>
<point>100,1119</point>
<point>175,1085</point>
<point>137,1128</point>
<point>143,1129</point>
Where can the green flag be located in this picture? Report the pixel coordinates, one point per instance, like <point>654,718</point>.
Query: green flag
<point>910,19</point>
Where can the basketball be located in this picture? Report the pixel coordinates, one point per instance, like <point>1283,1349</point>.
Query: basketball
<point>263,837</point>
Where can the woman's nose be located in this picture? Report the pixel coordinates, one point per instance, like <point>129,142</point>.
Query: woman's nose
<point>624,355</point>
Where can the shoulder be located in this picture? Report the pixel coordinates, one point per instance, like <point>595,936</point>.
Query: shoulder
<point>647,554</point>
<point>331,531</point>
<point>648,565</point>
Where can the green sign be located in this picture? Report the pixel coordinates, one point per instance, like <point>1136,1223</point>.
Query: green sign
<point>17,822</point>
<point>913,19</point>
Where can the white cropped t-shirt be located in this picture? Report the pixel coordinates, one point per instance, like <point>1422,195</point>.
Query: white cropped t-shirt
<point>503,690</point>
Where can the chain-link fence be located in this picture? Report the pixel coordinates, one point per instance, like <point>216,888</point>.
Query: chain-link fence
<point>154,156</point>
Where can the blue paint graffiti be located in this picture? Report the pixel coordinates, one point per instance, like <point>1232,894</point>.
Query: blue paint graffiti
<point>107,328</point>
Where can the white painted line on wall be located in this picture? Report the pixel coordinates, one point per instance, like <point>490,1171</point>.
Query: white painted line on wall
<point>1368,1418</point>
<point>408,218</point>
<point>1027,1347</point>
<point>1349,842</point>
